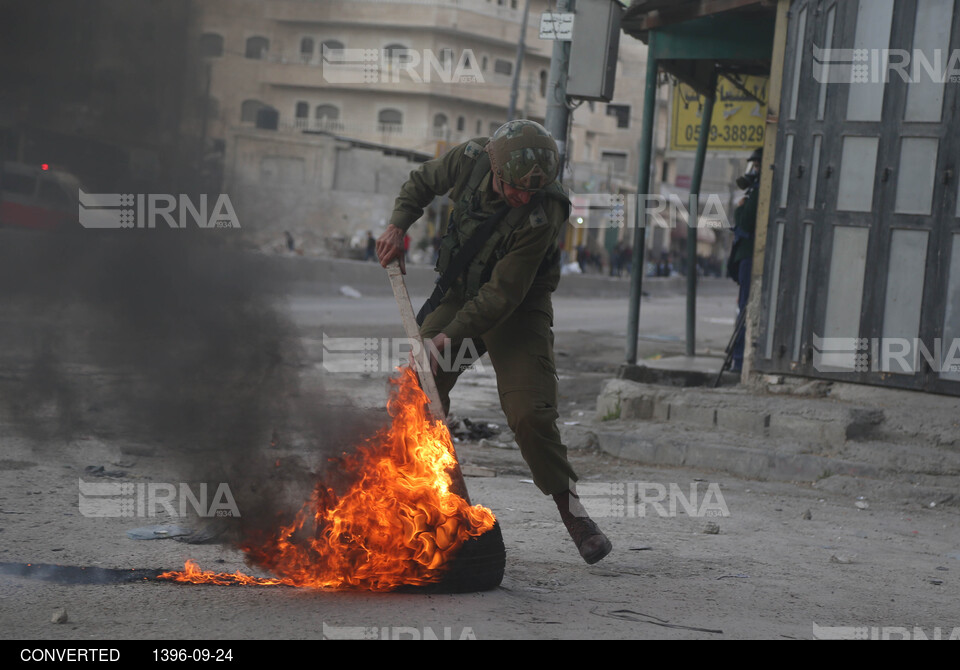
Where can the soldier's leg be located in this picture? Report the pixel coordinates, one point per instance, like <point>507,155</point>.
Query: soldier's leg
<point>446,376</point>
<point>521,350</point>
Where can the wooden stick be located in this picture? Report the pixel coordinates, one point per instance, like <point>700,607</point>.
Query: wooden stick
<point>422,362</point>
<point>422,359</point>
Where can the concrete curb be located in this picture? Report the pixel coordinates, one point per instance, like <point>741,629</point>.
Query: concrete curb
<point>769,464</point>
<point>771,437</point>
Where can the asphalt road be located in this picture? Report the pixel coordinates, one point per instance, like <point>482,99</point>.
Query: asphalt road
<point>763,560</point>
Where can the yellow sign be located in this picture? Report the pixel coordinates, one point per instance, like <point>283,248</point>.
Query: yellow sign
<point>739,119</point>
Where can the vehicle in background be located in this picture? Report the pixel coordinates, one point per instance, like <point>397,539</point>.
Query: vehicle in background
<point>38,197</point>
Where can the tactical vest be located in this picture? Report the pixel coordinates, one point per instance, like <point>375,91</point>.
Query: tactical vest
<point>466,218</point>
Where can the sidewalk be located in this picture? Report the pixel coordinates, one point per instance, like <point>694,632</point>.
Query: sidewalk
<point>840,436</point>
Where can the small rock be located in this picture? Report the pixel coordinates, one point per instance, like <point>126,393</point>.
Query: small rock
<point>861,504</point>
<point>936,582</point>
<point>807,515</point>
<point>497,444</point>
<point>711,528</point>
<point>842,559</point>
<point>59,615</point>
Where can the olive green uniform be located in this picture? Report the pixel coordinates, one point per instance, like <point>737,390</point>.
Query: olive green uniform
<point>502,302</point>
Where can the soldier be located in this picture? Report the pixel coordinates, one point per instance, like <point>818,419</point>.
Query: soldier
<point>507,201</point>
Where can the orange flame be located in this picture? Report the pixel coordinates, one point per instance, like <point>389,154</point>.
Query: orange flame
<point>398,524</point>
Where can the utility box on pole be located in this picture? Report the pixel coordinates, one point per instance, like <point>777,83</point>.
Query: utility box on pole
<point>593,51</point>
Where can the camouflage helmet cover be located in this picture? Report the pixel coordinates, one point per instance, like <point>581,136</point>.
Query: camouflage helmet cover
<point>524,155</point>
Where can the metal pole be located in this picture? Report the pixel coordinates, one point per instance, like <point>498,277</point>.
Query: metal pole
<point>643,185</point>
<point>558,114</point>
<point>521,47</point>
<point>693,219</point>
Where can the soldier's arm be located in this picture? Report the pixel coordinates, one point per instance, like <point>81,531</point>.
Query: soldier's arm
<point>431,179</point>
<point>509,283</point>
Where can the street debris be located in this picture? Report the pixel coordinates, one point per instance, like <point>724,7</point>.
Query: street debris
<point>477,471</point>
<point>157,532</point>
<point>842,559</point>
<point>99,471</point>
<point>470,431</point>
<point>712,528</point>
<point>640,617</point>
<point>59,615</point>
<point>496,444</point>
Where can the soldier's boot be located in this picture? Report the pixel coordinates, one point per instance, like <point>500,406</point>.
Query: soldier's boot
<point>592,544</point>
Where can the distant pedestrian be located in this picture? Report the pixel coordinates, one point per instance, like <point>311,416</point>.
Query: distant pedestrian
<point>371,254</point>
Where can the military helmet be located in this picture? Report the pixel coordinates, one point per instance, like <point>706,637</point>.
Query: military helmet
<point>524,155</point>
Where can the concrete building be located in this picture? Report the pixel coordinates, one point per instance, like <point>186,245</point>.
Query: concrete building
<point>405,78</point>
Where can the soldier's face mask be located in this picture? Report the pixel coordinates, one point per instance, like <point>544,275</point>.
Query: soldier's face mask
<point>751,177</point>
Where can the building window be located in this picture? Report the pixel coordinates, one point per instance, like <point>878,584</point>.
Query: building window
<point>327,117</point>
<point>461,124</point>
<point>306,49</point>
<point>330,45</point>
<point>211,45</point>
<point>397,53</point>
<point>327,112</point>
<point>249,109</point>
<point>622,112</point>
<point>257,47</point>
<point>502,66</point>
<point>543,83</point>
<point>479,127</point>
<point>440,126</point>
<point>302,115</point>
<point>617,159</point>
<point>483,63</point>
<point>390,121</point>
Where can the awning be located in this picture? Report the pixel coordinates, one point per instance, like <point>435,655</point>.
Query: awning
<point>696,38</point>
